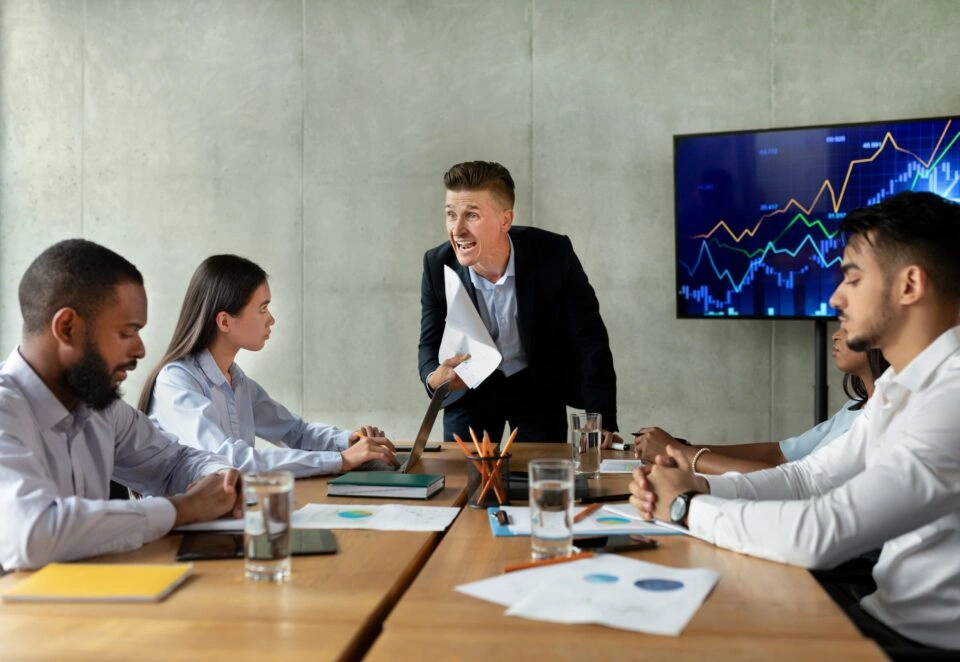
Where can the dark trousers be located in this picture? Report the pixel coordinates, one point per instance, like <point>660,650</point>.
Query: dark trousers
<point>847,584</point>
<point>500,399</point>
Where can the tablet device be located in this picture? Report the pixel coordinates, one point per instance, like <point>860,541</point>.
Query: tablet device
<point>212,545</point>
<point>520,484</point>
<point>615,543</point>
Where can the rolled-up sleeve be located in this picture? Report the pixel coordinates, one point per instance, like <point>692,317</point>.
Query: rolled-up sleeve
<point>40,526</point>
<point>831,507</point>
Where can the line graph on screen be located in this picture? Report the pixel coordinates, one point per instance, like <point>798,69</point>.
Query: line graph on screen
<point>758,212</point>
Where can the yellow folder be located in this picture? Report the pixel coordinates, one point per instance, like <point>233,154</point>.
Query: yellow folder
<point>96,582</point>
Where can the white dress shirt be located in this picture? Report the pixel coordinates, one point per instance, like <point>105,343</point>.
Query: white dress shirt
<point>892,480</point>
<point>55,471</point>
<point>194,401</point>
<point>497,305</point>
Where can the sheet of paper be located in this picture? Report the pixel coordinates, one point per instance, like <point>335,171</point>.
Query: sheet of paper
<point>382,518</point>
<point>618,592</point>
<point>598,523</point>
<point>619,466</point>
<point>608,589</point>
<point>629,512</point>
<point>351,516</point>
<point>465,333</point>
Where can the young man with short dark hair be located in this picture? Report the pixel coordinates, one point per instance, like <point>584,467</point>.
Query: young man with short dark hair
<point>894,479</point>
<point>64,433</point>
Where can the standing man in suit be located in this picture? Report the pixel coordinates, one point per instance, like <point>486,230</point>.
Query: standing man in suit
<point>535,300</point>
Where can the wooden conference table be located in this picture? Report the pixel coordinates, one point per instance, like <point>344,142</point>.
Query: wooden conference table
<point>336,606</point>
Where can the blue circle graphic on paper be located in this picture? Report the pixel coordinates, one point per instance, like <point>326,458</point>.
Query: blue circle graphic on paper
<point>354,514</point>
<point>658,584</point>
<point>612,520</point>
<point>600,578</point>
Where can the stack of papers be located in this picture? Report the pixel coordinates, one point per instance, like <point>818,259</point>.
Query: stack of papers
<point>608,589</point>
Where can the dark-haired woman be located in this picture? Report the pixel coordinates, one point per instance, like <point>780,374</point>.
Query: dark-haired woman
<point>198,393</point>
<point>861,370</point>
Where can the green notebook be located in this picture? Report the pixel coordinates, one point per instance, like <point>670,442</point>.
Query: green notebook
<point>385,485</point>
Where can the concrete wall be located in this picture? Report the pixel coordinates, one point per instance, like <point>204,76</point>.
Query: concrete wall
<point>312,135</point>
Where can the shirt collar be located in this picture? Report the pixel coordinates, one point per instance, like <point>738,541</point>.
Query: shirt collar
<point>481,282</point>
<point>922,367</point>
<point>47,409</point>
<point>212,371</point>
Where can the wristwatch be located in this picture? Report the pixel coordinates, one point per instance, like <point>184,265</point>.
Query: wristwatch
<point>680,507</point>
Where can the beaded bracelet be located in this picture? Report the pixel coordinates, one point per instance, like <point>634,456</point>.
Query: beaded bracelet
<point>693,465</point>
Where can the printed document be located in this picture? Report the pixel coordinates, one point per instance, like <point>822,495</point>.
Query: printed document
<point>465,333</point>
<point>607,589</point>
<point>350,516</point>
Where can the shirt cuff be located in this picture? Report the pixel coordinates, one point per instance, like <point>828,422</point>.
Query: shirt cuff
<point>342,440</point>
<point>724,486</point>
<point>160,515</point>
<point>219,464</point>
<point>701,520</point>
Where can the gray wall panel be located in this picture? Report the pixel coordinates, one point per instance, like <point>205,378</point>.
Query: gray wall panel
<point>193,147</point>
<point>396,93</point>
<point>41,142</point>
<point>312,136</point>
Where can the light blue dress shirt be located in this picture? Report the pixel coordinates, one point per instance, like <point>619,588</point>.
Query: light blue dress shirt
<point>55,471</point>
<point>193,400</point>
<point>802,445</point>
<point>497,303</point>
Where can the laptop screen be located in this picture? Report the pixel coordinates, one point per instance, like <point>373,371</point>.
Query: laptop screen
<point>436,403</point>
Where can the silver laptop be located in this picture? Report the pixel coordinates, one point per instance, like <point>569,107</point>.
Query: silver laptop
<point>409,460</point>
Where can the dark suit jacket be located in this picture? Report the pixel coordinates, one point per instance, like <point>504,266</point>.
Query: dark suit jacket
<point>557,312</point>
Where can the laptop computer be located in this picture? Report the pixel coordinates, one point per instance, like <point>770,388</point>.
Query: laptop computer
<point>409,460</point>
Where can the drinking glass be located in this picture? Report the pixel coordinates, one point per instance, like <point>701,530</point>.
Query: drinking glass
<point>551,508</point>
<point>586,435</point>
<point>268,502</point>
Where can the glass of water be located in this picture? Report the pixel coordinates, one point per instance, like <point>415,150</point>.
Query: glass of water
<point>586,435</point>
<point>268,502</point>
<point>551,508</point>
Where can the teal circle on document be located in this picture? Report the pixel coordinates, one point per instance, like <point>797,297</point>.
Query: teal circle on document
<point>354,514</point>
<point>601,578</point>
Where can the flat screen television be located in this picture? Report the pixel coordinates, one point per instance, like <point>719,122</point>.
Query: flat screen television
<point>757,212</point>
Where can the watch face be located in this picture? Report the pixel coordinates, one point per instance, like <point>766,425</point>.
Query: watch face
<point>678,508</point>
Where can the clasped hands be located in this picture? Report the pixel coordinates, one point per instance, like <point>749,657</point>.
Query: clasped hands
<point>656,485</point>
<point>651,442</point>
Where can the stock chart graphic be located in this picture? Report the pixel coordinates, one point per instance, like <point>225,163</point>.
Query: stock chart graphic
<point>757,213</point>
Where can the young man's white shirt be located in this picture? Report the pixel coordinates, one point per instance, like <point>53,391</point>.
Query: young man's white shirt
<point>893,480</point>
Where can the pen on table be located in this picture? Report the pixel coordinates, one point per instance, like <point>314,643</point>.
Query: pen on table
<point>536,564</point>
<point>679,440</point>
<point>583,514</point>
<point>600,498</point>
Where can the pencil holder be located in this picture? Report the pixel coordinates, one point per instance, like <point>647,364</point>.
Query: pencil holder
<point>488,481</point>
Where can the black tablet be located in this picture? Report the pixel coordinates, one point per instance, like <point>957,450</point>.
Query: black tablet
<point>211,545</point>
